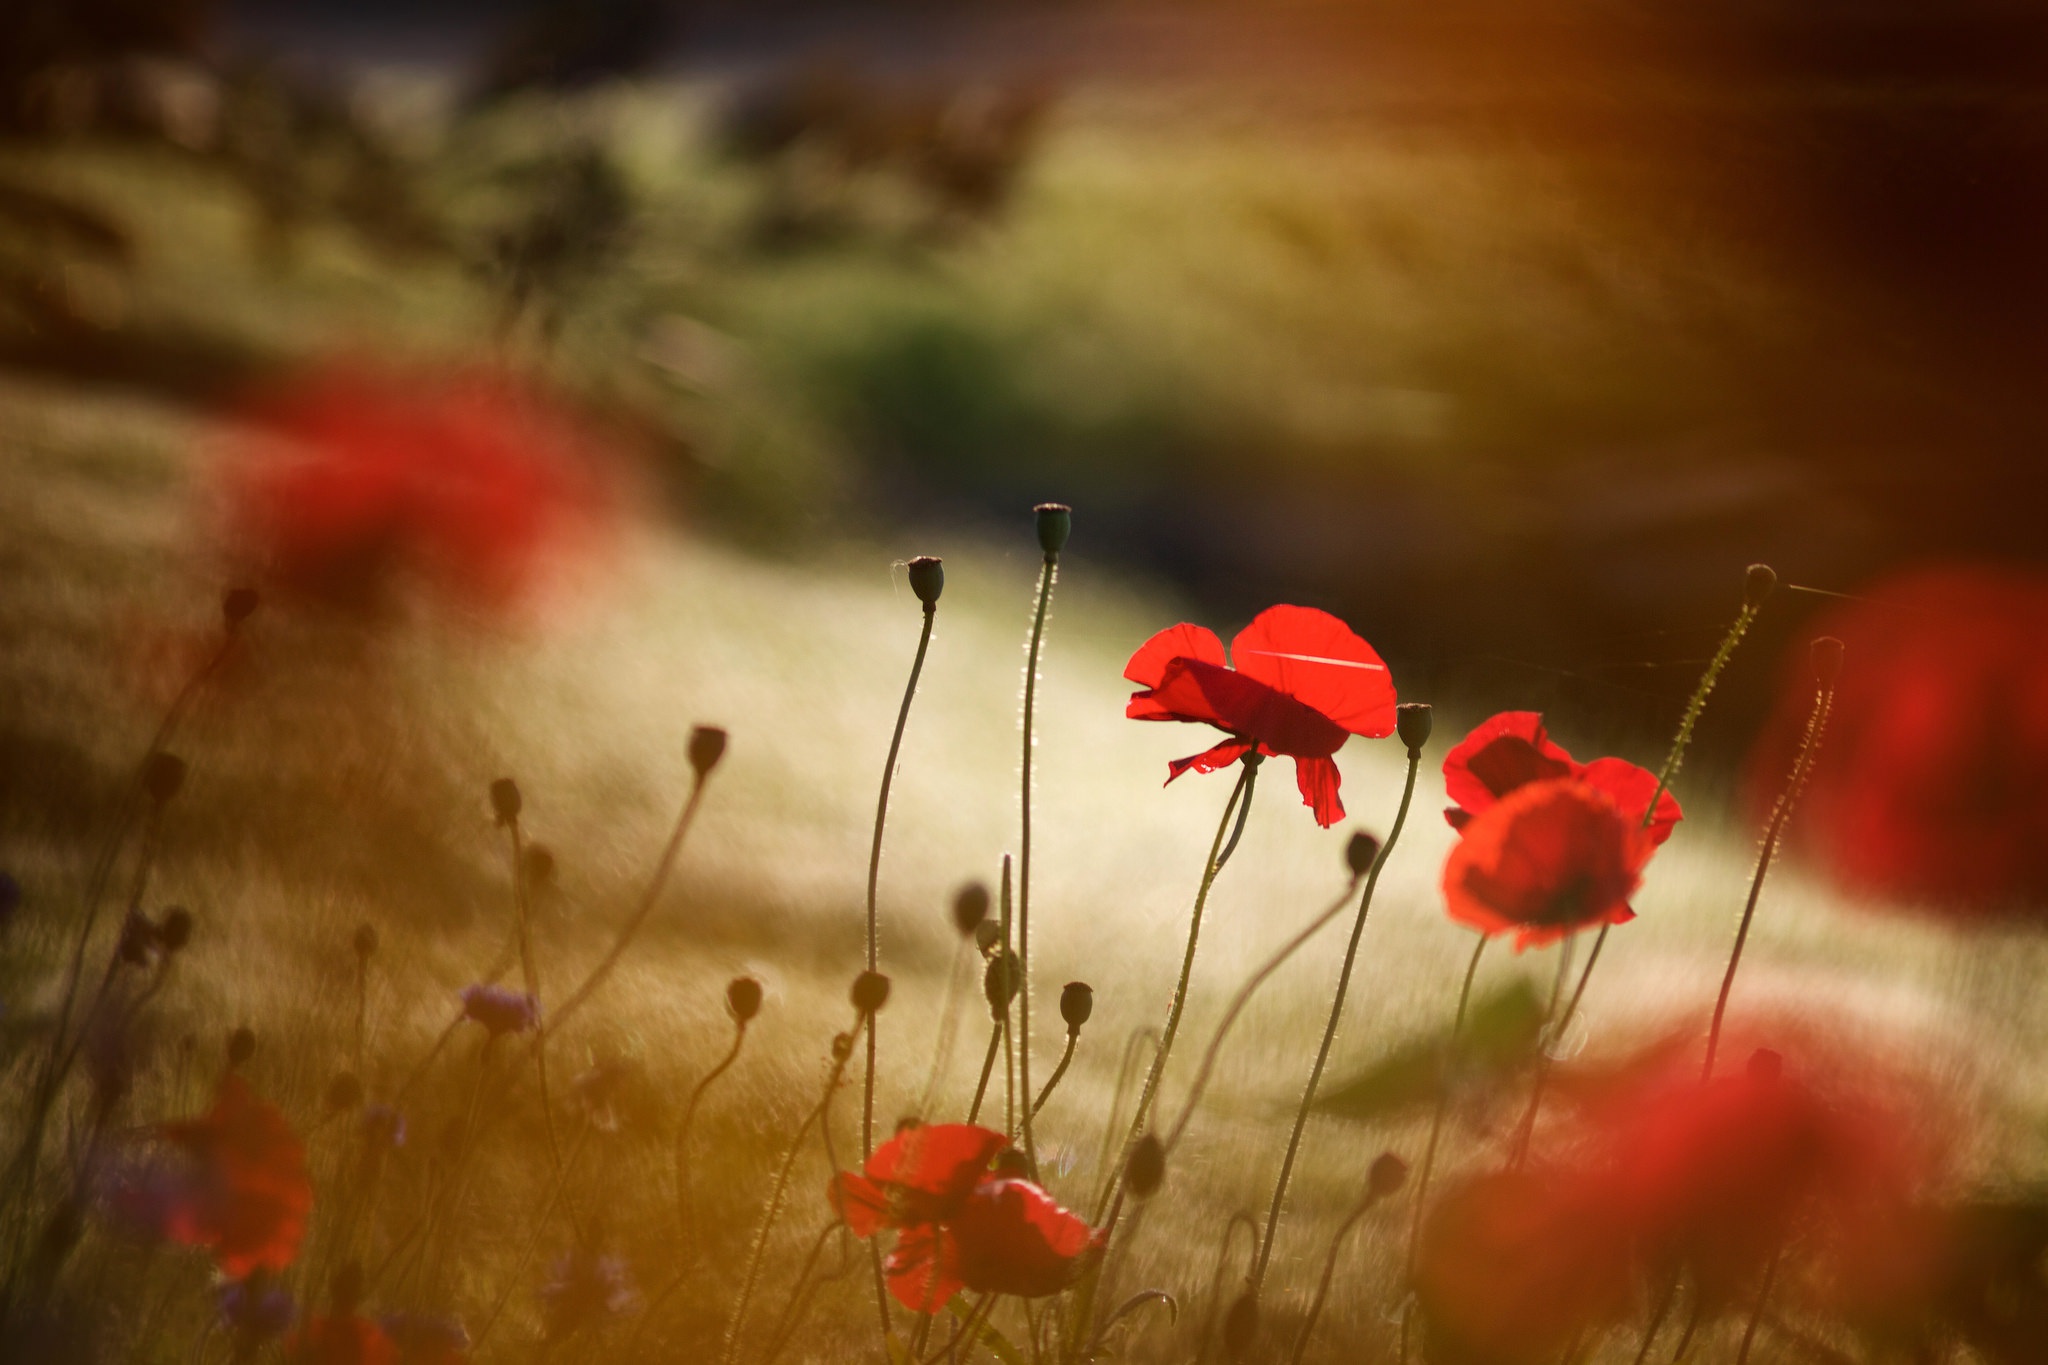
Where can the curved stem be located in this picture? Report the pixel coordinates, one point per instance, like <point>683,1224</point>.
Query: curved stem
<point>1066,1057</point>
<point>988,1065</point>
<point>1242,792</point>
<point>529,972</point>
<point>1047,577</point>
<point>533,1242</point>
<point>1809,745</point>
<point>949,1030</point>
<point>1763,1299</point>
<point>1315,1307</point>
<point>685,1216</point>
<point>867,1089</point>
<point>1315,1075</point>
<point>1436,1131</point>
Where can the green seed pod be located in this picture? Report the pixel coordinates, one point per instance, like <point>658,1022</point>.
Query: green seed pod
<point>1055,524</point>
<point>1389,1174</point>
<point>506,802</point>
<point>1360,851</point>
<point>927,579</point>
<point>1145,1172</point>
<point>970,907</point>
<point>1412,722</point>
<point>1077,1002</point>
<point>743,998</point>
<point>707,746</point>
<point>870,992</point>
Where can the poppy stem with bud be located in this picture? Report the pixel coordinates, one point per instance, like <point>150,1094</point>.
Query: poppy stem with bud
<point>1055,521</point>
<point>742,1002</point>
<point>1413,723</point>
<point>1436,1132</point>
<point>927,580</point>
<point>1827,668</point>
<point>1077,1003</point>
<point>1389,1173</point>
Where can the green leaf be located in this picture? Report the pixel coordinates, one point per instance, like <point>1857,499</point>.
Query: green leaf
<point>1499,1038</point>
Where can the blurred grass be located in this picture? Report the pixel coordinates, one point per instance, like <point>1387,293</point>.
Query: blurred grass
<point>1174,300</point>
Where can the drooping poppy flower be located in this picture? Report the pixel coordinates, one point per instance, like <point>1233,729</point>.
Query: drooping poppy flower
<point>1932,786</point>
<point>1302,683</point>
<point>959,1224</point>
<point>1513,749</point>
<point>232,1181</point>
<point>468,484</point>
<point>342,1339</point>
<point>500,1009</point>
<point>1552,857</point>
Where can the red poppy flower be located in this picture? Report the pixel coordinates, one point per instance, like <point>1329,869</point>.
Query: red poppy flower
<point>465,484</point>
<point>238,1185</point>
<point>346,1340</point>
<point>1550,858</point>
<point>1932,782</point>
<point>958,1224</point>
<point>1302,684</point>
<point>1513,749</point>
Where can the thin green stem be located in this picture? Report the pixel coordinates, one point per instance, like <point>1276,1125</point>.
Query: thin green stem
<point>867,1088</point>
<point>1066,1058</point>
<point>949,1030</point>
<point>1315,1307</point>
<point>1246,779</point>
<point>685,1214</point>
<point>1124,1071</point>
<point>1047,578</point>
<point>1315,1075</point>
<point>1763,1299</point>
<point>517,1276</point>
<point>1436,1132</point>
<point>988,1065</point>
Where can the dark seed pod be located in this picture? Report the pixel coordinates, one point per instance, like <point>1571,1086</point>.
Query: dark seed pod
<point>743,998</point>
<point>707,746</point>
<point>61,1234</point>
<point>238,605</point>
<point>505,800</point>
<point>537,865</point>
<point>999,981</point>
<point>1413,721</point>
<point>987,935</point>
<point>241,1046</point>
<point>1758,585</point>
<point>344,1092</point>
<point>870,992</point>
<point>1077,1002</point>
<point>1389,1174</point>
<point>1827,660</point>
<point>366,941</point>
<point>1145,1172</point>
<point>1241,1326</point>
<point>970,907</point>
<point>176,930</point>
<point>139,938</point>
<point>1359,852</point>
<point>1055,524</point>
<point>1011,1162</point>
<point>162,775</point>
<point>906,1124</point>
<point>842,1046</point>
<point>927,579</point>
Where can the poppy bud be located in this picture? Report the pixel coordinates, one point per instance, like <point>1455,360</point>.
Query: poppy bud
<point>1765,1066</point>
<point>241,1046</point>
<point>505,800</point>
<point>999,982</point>
<point>1011,1162</point>
<point>162,775</point>
<point>176,930</point>
<point>1413,721</point>
<point>870,992</point>
<point>707,746</point>
<point>1145,1172</point>
<point>1055,524</point>
<point>842,1046</point>
<point>1758,585</point>
<point>344,1092</point>
<point>238,605</point>
<point>1077,1002</point>
<point>1241,1325</point>
<point>987,934</point>
<point>743,997</point>
<point>927,579</point>
<point>366,941</point>
<point>139,937</point>
<point>538,865</point>
<point>60,1235</point>
<point>970,907</point>
<point>1827,660</point>
<point>1360,852</point>
<point>1389,1174</point>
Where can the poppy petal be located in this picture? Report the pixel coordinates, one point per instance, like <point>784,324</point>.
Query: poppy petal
<point>1183,641</point>
<point>1209,760</point>
<point>1502,753</point>
<point>1318,779</point>
<point>943,1160</point>
<point>1630,786</point>
<point>860,1202</point>
<point>1319,661</point>
<point>1551,858</point>
<point>924,1268</point>
<point>1014,1238</point>
<point>1211,694</point>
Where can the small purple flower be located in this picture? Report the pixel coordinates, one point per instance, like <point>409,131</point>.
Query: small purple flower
<point>382,1127</point>
<point>256,1311</point>
<point>501,1009</point>
<point>582,1288</point>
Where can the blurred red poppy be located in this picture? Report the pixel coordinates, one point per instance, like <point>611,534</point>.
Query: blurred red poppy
<point>348,1340</point>
<point>1513,749</point>
<point>1302,684</point>
<point>1552,857</point>
<point>959,1225</point>
<point>466,484</point>
<point>238,1185</point>
<point>1933,784</point>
